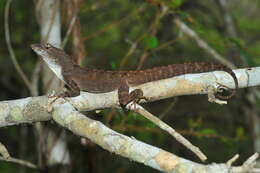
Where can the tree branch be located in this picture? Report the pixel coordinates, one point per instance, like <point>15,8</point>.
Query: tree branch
<point>140,110</point>
<point>154,157</point>
<point>33,109</point>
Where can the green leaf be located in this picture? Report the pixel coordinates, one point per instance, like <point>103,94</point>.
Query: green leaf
<point>191,123</point>
<point>207,131</point>
<point>240,132</point>
<point>113,65</point>
<point>176,3</point>
<point>194,124</point>
<point>150,42</point>
<point>2,3</point>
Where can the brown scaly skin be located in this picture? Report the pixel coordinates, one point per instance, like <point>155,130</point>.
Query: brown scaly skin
<point>100,81</point>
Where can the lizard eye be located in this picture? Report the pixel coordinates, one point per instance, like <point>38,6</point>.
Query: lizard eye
<point>47,45</point>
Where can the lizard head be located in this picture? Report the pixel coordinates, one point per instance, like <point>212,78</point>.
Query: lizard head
<point>56,59</point>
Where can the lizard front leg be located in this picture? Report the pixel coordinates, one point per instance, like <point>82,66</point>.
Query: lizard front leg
<point>72,89</point>
<point>125,97</point>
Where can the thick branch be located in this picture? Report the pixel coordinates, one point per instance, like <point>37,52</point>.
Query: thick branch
<point>33,109</point>
<point>28,110</point>
<point>154,157</point>
<point>189,84</point>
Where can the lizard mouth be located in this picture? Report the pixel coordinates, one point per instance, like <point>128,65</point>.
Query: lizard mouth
<point>43,50</point>
<point>38,48</point>
<point>46,54</point>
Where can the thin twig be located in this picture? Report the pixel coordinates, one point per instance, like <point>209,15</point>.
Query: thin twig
<point>166,44</point>
<point>10,49</point>
<point>6,157</point>
<point>232,160</point>
<point>139,109</point>
<point>20,162</point>
<point>250,160</point>
<point>127,55</point>
<point>4,152</point>
<point>113,24</point>
<point>248,165</point>
<point>134,46</point>
<point>35,78</point>
<point>71,25</point>
<point>201,43</point>
<point>134,128</point>
<point>168,108</point>
<point>78,49</point>
<point>228,19</point>
<point>154,29</point>
<point>131,50</point>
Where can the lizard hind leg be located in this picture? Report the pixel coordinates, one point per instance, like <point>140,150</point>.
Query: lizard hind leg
<point>125,97</point>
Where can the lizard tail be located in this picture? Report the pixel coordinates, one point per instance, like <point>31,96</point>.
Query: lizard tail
<point>232,92</point>
<point>199,67</point>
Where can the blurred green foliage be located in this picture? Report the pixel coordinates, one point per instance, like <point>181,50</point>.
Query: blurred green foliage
<point>150,42</point>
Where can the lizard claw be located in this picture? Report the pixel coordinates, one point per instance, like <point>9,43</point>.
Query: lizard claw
<point>52,98</point>
<point>138,100</point>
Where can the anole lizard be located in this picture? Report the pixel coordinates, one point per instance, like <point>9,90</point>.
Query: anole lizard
<point>79,79</point>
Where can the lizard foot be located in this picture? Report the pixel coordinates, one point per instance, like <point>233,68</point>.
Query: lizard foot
<point>137,101</point>
<point>136,96</point>
<point>52,98</point>
<point>125,97</point>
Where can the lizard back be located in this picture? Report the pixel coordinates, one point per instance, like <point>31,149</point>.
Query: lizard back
<point>98,81</point>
